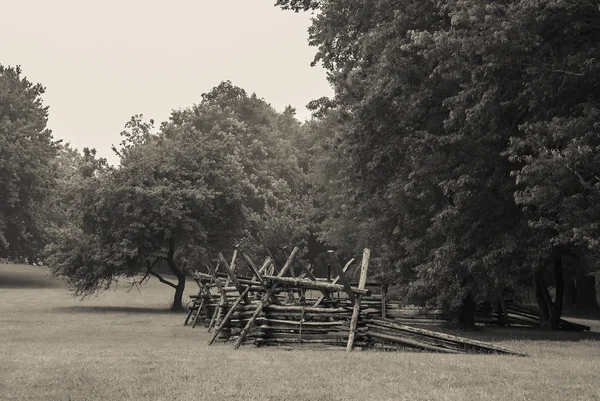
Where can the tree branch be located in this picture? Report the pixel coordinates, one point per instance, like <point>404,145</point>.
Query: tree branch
<point>162,280</point>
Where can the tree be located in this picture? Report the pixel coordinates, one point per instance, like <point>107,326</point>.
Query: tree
<point>27,150</point>
<point>276,201</point>
<point>430,95</point>
<point>215,175</point>
<point>175,196</point>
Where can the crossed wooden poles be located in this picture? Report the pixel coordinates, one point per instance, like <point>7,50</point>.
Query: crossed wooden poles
<point>268,285</point>
<point>333,322</point>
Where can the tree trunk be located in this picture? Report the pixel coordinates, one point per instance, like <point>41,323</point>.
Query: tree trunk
<point>585,293</point>
<point>559,283</point>
<point>467,313</point>
<point>570,298</point>
<point>180,274</point>
<point>542,299</point>
<point>550,311</point>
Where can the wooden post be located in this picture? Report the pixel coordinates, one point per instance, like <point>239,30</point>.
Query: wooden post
<point>258,273</point>
<point>264,299</point>
<point>223,301</point>
<point>231,274</point>
<point>336,264</point>
<point>346,267</point>
<point>198,313</point>
<point>384,300</point>
<point>237,303</point>
<point>361,285</point>
<point>316,285</point>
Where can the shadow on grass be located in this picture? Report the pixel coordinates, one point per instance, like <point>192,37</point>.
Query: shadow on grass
<point>113,309</point>
<point>26,281</point>
<point>529,334</point>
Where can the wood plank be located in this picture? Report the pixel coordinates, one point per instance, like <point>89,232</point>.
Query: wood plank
<point>364,266</point>
<point>411,343</point>
<point>264,299</point>
<point>259,272</point>
<point>345,283</point>
<point>346,267</point>
<point>442,336</point>
<point>231,273</point>
<point>237,302</point>
<point>315,285</point>
<point>198,313</point>
<point>384,289</point>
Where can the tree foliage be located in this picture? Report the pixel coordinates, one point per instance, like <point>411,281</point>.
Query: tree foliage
<point>440,105</point>
<point>216,174</point>
<point>27,152</point>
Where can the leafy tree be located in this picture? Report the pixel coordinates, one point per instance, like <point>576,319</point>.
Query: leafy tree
<point>431,96</point>
<point>174,197</point>
<point>27,150</point>
<point>276,202</point>
<point>216,174</point>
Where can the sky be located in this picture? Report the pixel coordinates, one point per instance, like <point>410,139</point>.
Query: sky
<point>104,61</point>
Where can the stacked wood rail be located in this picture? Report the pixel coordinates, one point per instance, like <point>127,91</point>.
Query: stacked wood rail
<point>517,316</point>
<point>269,306</point>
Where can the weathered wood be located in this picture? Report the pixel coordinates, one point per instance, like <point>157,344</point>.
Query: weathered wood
<point>202,287</point>
<point>231,272</point>
<point>297,308</point>
<point>187,319</point>
<point>259,272</point>
<point>346,267</point>
<point>264,299</point>
<point>237,302</point>
<point>364,266</point>
<point>299,323</point>
<point>442,336</point>
<point>345,283</point>
<point>315,285</point>
<point>384,301</point>
<point>410,342</point>
<point>223,301</point>
<point>198,313</point>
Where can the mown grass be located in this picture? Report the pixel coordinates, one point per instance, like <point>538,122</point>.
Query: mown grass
<point>129,346</point>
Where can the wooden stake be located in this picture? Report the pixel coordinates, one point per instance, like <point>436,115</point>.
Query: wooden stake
<point>336,264</point>
<point>346,267</point>
<point>316,285</point>
<point>237,303</point>
<point>384,301</point>
<point>264,299</point>
<point>197,313</point>
<point>364,266</point>
<point>231,274</point>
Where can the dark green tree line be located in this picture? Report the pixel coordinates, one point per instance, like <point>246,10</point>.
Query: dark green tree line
<point>457,122</point>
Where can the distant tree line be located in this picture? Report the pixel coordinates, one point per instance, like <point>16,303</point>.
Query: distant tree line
<point>462,145</point>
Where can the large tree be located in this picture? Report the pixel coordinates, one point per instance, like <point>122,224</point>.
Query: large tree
<point>27,151</point>
<point>174,196</point>
<point>431,96</point>
<point>216,174</point>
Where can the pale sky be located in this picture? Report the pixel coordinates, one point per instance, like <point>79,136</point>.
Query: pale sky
<point>104,61</point>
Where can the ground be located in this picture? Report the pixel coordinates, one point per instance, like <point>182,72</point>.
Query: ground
<point>128,346</point>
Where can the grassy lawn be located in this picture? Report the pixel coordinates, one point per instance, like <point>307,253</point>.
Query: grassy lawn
<point>124,345</point>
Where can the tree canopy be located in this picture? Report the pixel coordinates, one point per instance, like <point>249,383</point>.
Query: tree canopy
<point>441,105</point>
<point>216,174</point>
<point>27,152</point>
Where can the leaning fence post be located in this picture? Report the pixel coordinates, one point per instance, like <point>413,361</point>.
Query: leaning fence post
<point>361,285</point>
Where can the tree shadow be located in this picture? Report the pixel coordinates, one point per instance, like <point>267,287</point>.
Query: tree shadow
<point>113,309</point>
<point>530,334</point>
<point>16,281</point>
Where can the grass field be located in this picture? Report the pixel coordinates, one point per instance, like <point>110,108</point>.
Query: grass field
<point>128,346</point>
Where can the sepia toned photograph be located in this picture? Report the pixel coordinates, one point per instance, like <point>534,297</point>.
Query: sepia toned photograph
<point>300,200</point>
